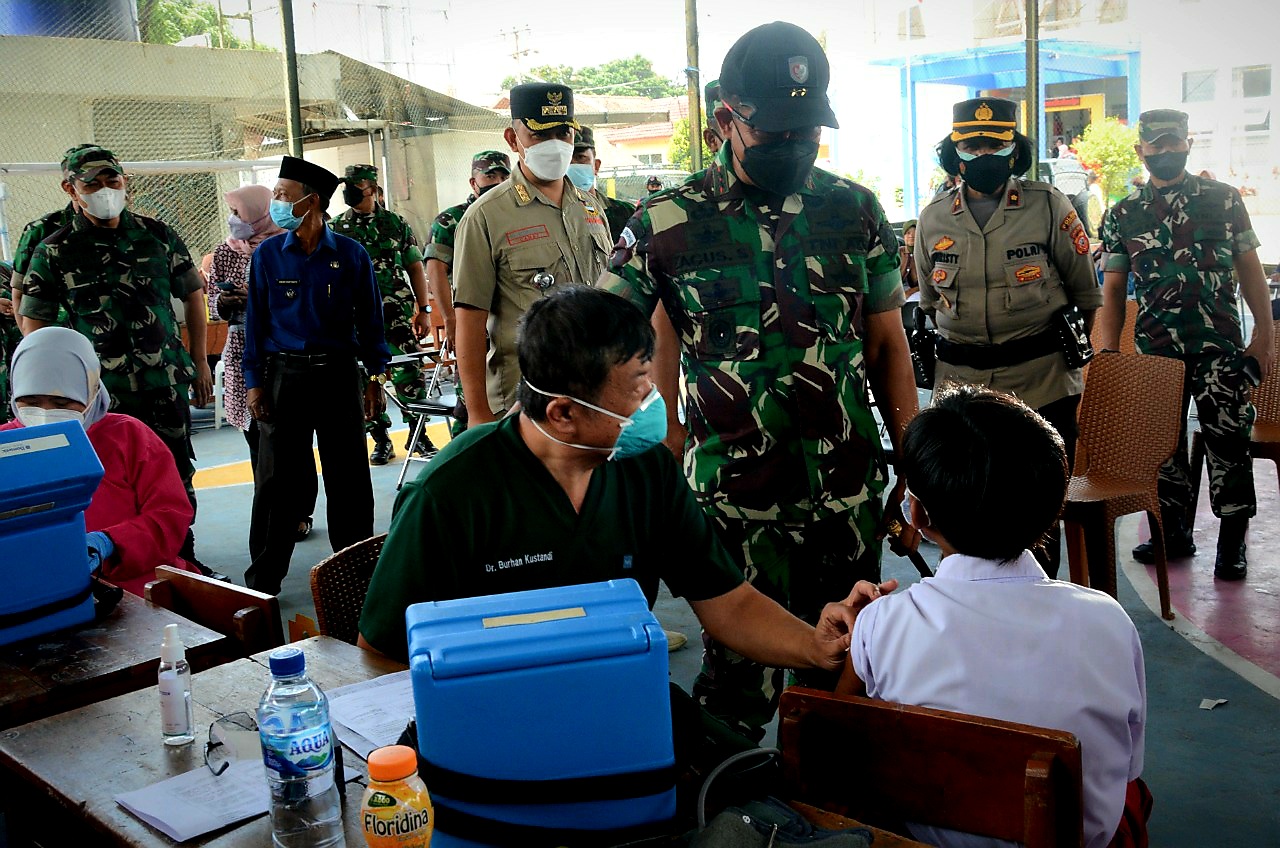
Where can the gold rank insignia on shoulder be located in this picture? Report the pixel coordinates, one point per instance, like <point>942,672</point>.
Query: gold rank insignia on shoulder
<point>522,193</point>
<point>943,243</point>
<point>1068,221</point>
<point>1015,198</point>
<point>955,203</point>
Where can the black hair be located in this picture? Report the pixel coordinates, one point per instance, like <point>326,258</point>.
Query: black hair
<point>989,471</point>
<point>949,158</point>
<point>324,201</point>
<point>569,341</point>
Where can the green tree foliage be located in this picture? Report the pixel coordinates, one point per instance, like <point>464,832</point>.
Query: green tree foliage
<point>678,155</point>
<point>1107,148</point>
<point>634,76</point>
<point>170,21</point>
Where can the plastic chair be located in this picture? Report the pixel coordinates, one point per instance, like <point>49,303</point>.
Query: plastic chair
<point>1128,429</point>
<point>1263,444</point>
<point>339,584</point>
<point>218,391</point>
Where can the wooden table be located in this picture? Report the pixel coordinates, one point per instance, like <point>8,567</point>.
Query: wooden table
<point>68,669</point>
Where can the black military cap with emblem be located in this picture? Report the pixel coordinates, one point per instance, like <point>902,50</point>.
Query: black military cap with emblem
<point>543,105</point>
<point>323,182</point>
<point>775,77</point>
<point>986,117</point>
<point>1157,123</point>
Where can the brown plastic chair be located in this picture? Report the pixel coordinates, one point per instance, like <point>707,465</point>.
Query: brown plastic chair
<point>884,763</point>
<point>1128,429</point>
<point>1263,444</point>
<point>339,584</point>
<point>1127,343</point>
<point>251,618</point>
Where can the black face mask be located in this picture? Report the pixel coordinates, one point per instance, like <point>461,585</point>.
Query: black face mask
<point>780,167</point>
<point>482,189</point>
<point>1167,166</point>
<point>353,196</point>
<point>987,173</point>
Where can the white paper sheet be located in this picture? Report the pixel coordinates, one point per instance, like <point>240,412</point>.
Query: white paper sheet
<point>372,713</point>
<point>198,802</point>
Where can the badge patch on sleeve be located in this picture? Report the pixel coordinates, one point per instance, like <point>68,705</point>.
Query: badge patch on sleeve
<point>1080,239</point>
<point>943,243</point>
<point>1029,273</point>
<point>939,275</point>
<point>1068,221</point>
<point>527,234</point>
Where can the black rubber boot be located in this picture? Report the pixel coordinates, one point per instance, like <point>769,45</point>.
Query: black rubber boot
<point>1178,543</point>
<point>383,450</point>
<point>1231,563</point>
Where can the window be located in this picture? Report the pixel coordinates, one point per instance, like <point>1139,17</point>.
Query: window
<point>1198,86</point>
<point>1251,81</point>
<point>911,23</point>
<point>652,160</point>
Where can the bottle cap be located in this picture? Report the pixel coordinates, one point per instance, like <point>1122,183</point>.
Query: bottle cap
<point>171,649</point>
<point>394,762</point>
<point>287,662</point>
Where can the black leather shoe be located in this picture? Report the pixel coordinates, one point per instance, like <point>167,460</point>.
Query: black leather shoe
<point>1233,566</point>
<point>383,452</point>
<point>304,529</point>
<point>1178,547</point>
<point>1231,563</point>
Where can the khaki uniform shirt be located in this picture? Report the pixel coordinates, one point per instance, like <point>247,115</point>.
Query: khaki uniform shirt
<point>507,238</point>
<point>1006,281</point>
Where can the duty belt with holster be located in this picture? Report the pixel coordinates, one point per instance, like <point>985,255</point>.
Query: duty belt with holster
<point>1065,336</point>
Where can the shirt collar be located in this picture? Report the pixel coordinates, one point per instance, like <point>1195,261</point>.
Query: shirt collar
<point>526,192</point>
<point>80,221</point>
<point>976,569</point>
<point>326,239</point>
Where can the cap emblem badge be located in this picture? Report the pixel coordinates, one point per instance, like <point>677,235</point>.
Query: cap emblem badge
<point>799,68</point>
<point>983,113</point>
<point>554,97</point>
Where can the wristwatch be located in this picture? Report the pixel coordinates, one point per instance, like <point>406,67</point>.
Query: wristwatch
<point>378,378</point>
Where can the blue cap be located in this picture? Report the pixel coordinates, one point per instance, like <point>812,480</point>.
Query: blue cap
<point>287,662</point>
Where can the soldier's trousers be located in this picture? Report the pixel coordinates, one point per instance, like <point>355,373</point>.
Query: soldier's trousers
<point>406,379</point>
<point>803,568</point>
<point>320,397</point>
<point>168,413</point>
<point>1226,415</point>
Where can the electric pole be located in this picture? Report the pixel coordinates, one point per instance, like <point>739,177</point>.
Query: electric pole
<point>518,54</point>
<point>1033,126</point>
<point>695,92</point>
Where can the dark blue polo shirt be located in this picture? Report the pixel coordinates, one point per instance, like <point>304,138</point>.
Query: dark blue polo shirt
<point>327,302</point>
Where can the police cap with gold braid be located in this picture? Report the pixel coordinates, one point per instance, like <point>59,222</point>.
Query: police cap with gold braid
<point>543,105</point>
<point>986,117</point>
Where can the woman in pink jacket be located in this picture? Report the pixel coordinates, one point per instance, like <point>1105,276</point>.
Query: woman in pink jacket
<point>140,513</point>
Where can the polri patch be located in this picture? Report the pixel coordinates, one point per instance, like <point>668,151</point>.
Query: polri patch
<point>939,275</point>
<point>1080,239</point>
<point>527,234</point>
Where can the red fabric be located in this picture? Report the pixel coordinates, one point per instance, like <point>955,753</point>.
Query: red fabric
<point>1138,802</point>
<point>140,503</point>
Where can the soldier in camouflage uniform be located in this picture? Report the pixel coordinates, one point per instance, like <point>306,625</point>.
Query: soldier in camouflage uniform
<point>711,132</point>
<point>115,273</point>
<point>36,232</point>
<point>583,169</point>
<point>781,281</point>
<point>10,335</point>
<point>397,264</point>
<point>488,169</point>
<point>1182,236</point>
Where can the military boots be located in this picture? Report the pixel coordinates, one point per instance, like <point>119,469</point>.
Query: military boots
<point>383,450</point>
<point>1178,543</point>
<point>1230,563</point>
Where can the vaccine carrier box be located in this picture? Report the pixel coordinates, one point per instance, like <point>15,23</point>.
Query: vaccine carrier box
<point>548,709</point>
<point>48,475</point>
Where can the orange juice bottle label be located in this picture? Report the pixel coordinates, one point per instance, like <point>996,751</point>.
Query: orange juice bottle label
<point>397,815</point>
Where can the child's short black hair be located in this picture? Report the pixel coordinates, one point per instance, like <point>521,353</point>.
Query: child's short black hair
<point>990,472</point>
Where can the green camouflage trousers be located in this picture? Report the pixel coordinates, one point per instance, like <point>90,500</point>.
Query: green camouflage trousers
<point>803,568</point>
<point>1226,415</point>
<point>407,379</point>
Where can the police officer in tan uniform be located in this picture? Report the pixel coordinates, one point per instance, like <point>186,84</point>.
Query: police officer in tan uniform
<point>1001,261</point>
<point>519,241</point>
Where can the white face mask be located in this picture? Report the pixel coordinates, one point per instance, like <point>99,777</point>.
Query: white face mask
<point>549,160</point>
<point>34,416</point>
<point>105,203</point>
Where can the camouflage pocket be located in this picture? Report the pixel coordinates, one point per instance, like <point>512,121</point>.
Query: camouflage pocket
<point>724,315</point>
<point>838,290</point>
<point>1213,250</point>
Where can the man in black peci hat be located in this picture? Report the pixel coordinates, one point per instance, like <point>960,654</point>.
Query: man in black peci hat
<point>314,316</point>
<point>520,241</point>
<point>782,283</point>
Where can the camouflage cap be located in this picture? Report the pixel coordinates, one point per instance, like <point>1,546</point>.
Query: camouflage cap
<point>711,94</point>
<point>585,138</point>
<point>356,173</point>
<point>543,105</point>
<point>88,160</point>
<point>489,161</point>
<point>1157,123</point>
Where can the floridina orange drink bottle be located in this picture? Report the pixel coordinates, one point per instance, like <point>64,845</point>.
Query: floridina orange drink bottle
<point>396,811</point>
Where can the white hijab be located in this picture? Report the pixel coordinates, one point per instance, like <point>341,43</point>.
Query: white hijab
<point>59,362</point>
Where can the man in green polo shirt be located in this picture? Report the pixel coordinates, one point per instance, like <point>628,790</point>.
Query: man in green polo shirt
<point>587,494</point>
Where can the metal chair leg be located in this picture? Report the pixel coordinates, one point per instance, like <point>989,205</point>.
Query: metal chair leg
<point>418,427</point>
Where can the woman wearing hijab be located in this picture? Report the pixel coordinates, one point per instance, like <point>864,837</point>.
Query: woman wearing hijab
<point>227,280</point>
<point>907,255</point>
<point>139,515</point>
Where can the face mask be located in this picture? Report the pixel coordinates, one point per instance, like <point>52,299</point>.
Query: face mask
<point>906,508</point>
<point>987,172</point>
<point>583,176</point>
<point>1167,166</point>
<point>549,160</point>
<point>105,203</point>
<point>482,189</point>
<point>34,416</point>
<point>239,229</point>
<point>642,431</point>
<point>353,196</point>
<point>282,214</point>
<point>780,167</point>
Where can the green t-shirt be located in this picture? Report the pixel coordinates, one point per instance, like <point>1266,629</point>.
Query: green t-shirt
<point>487,517</point>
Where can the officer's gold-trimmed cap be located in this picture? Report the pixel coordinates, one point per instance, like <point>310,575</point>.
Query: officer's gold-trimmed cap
<point>984,117</point>
<point>543,105</point>
<point>1157,123</point>
<point>88,160</point>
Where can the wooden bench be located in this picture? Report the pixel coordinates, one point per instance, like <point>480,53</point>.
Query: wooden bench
<point>250,618</point>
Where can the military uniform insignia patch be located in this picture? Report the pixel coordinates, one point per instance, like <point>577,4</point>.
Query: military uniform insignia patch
<point>944,243</point>
<point>939,275</point>
<point>798,67</point>
<point>955,203</point>
<point>1068,221</point>
<point>522,193</point>
<point>1080,239</point>
<point>515,237</point>
<point>1015,199</point>
<point>983,113</point>
<point>1029,273</point>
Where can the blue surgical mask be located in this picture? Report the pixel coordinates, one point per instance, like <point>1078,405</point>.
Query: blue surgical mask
<point>282,213</point>
<point>583,176</point>
<point>646,428</point>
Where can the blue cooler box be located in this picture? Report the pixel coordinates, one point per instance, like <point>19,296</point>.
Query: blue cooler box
<point>547,708</point>
<point>48,475</point>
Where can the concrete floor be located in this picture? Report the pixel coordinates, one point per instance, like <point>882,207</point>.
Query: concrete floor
<point>1214,773</point>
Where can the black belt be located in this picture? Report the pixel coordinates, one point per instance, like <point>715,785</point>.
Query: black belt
<point>985,357</point>
<point>311,359</point>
